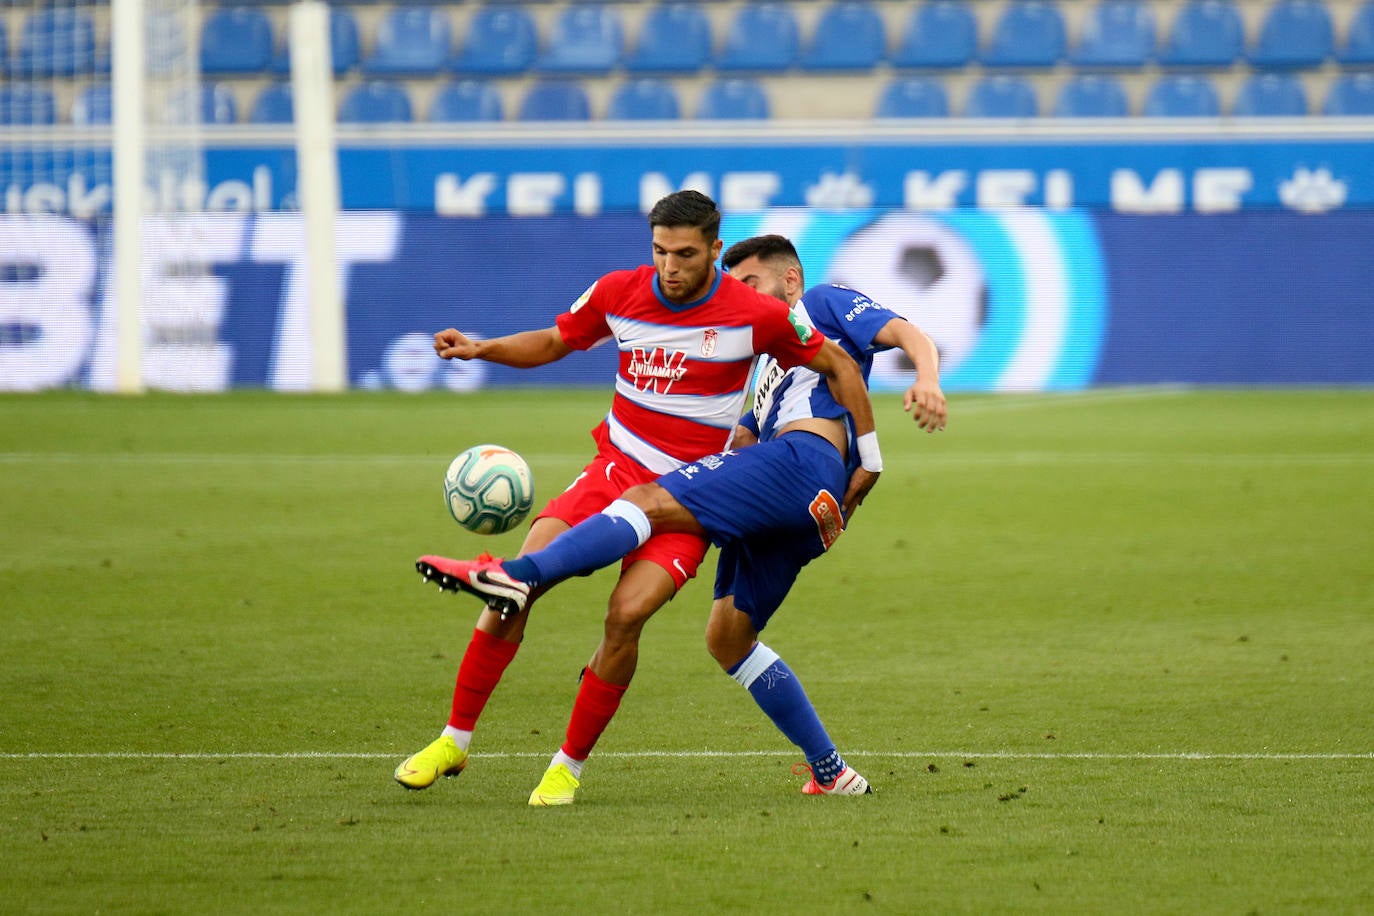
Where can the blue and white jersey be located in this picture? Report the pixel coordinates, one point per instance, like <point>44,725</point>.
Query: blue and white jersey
<point>847,317</point>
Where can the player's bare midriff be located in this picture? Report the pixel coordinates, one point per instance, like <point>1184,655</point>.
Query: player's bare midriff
<point>830,430</point>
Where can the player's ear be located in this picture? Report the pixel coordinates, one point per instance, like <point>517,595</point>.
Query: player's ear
<point>716,247</point>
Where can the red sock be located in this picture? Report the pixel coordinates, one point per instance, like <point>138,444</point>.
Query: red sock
<point>480,671</point>
<point>593,709</point>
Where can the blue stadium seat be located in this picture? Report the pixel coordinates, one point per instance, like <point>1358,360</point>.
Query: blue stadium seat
<point>1029,33</point>
<point>411,41</point>
<point>236,40</point>
<point>913,97</point>
<point>555,100</point>
<point>92,105</point>
<point>1118,34</point>
<point>1295,35</point>
<point>273,105</point>
<point>764,37</point>
<point>57,42</point>
<point>1271,95</point>
<point>345,46</point>
<point>1182,96</point>
<point>644,99</point>
<point>500,40</point>
<point>675,37</point>
<point>587,38</point>
<point>467,100</point>
<point>22,103</point>
<point>1350,94</point>
<point>1002,96</point>
<point>736,98</point>
<point>1092,95</point>
<point>1358,48</point>
<point>218,104</point>
<point>940,34</point>
<point>375,102</point>
<point>849,35</point>
<point>1204,34</point>
<point>4,48</point>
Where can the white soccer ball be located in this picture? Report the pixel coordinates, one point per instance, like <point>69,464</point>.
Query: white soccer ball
<point>488,489</point>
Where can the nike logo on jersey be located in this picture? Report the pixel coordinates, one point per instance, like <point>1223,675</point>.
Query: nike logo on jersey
<point>656,370</point>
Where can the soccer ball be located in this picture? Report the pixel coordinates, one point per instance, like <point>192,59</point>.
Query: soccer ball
<point>488,489</point>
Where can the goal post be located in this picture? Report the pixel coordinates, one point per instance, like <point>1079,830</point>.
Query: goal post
<point>317,170</point>
<point>128,150</point>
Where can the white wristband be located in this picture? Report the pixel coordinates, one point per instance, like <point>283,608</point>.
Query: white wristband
<point>870,456</point>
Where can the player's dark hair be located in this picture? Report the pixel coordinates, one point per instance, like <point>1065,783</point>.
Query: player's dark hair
<point>687,208</point>
<point>768,248</point>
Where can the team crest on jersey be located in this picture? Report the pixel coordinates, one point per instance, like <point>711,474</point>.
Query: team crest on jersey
<point>825,509</point>
<point>656,370</point>
<point>708,341</point>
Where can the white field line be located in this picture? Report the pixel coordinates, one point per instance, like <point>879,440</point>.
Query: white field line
<point>959,755</point>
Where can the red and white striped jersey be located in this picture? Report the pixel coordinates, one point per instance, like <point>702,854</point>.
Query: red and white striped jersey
<point>685,369</point>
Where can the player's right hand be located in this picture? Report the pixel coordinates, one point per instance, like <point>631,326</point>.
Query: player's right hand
<point>454,344</point>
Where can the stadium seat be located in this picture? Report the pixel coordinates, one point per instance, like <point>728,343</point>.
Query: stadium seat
<point>644,99</point>
<point>375,102</point>
<point>849,35</point>
<point>57,42</point>
<point>675,37</point>
<point>763,37</point>
<point>4,48</point>
<point>273,105</point>
<point>22,103</point>
<point>411,41</point>
<point>555,100</point>
<point>1204,34</point>
<point>1295,35</point>
<point>236,40</point>
<point>1351,94</point>
<point>1092,95</point>
<point>92,105</point>
<point>913,97</point>
<point>1358,48</point>
<point>218,104</point>
<point>1029,33</point>
<point>500,40</point>
<point>1271,95</point>
<point>1117,34</point>
<point>1002,96</point>
<point>467,100</point>
<point>1182,96</point>
<point>587,38</point>
<point>942,34</point>
<point>345,46</point>
<point>735,98</point>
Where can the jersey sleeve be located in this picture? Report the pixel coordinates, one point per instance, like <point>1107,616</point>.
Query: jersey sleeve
<point>785,337</point>
<point>847,314</point>
<point>583,325</point>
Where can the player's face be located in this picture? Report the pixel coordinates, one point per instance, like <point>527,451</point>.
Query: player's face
<point>769,279</point>
<point>685,262</point>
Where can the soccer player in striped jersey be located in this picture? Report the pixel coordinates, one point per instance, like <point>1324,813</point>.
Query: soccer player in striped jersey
<point>771,507</point>
<point>689,338</point>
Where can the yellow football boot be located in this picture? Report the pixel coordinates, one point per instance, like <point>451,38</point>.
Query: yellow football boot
<point>557,787</point>
<point>442,758</point>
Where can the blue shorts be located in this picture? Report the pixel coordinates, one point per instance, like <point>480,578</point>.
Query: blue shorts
<point>771,508</point>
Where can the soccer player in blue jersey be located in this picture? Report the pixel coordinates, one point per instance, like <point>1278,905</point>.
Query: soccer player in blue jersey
<point>771,507</point>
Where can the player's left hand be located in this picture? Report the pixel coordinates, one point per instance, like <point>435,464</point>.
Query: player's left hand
<point>926,403</point>
<point>859,485</point>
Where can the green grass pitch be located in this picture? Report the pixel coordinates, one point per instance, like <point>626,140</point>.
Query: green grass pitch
<point>1111,652</point>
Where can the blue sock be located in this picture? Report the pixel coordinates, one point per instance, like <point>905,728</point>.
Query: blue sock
<point>587,546</point>
<point>780,695</point>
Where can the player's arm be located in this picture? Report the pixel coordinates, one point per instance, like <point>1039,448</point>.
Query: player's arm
<point>523,350</point>
<point>846,383</point>
<point>924,398</point>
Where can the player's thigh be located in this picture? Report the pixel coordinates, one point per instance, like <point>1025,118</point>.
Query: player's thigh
<point>642,589</point>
